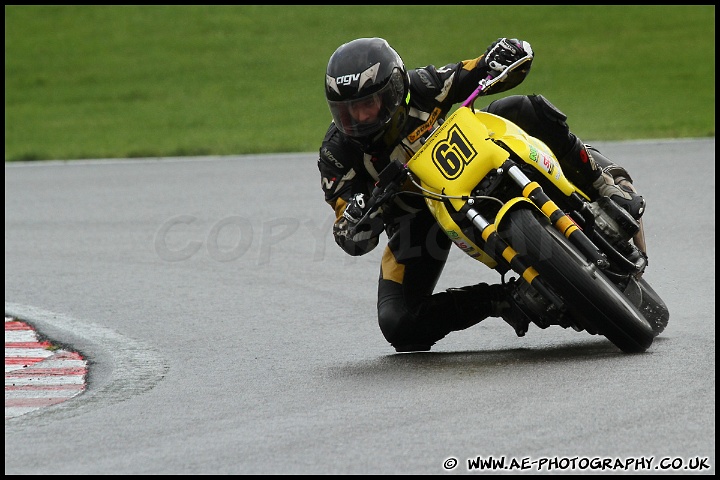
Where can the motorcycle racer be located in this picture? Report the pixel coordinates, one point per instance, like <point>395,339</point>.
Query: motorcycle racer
<point>381,111</point>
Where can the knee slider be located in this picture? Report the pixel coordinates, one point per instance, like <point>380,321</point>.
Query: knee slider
<point>407,331</point>
<point>393,321</point>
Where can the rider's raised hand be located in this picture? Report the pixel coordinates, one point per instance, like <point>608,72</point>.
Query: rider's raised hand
<point>506,51</point>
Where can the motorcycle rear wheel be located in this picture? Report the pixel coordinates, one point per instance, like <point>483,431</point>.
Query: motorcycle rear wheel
<point>592,299</point>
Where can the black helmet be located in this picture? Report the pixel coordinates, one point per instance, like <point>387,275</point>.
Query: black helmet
<point>365,72</point>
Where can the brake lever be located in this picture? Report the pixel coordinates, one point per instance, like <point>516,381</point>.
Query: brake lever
<point>491,80</point>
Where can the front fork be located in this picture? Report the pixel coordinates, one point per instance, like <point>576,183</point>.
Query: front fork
<point>562,222</point>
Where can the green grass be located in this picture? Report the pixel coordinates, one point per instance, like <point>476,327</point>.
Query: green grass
<point>153,81</point>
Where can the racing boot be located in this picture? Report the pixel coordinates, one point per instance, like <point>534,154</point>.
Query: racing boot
<point>477,302</point>
<point>598,176</point>
<point>508,308</point>
<point>615,182</point>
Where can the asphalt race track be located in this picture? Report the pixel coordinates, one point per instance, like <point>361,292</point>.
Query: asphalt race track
<point>226,333</point>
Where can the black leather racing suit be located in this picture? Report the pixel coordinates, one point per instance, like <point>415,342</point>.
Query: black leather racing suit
<point>410,316</point>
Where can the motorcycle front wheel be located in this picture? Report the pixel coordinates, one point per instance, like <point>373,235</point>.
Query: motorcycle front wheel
<point>591,298</point>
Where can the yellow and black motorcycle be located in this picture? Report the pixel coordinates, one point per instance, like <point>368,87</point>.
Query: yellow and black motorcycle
<point>501,197</point>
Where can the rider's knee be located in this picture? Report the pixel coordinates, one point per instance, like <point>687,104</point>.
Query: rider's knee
<point>537,116</point>
<point>516,108</point>
<point>401,329</point>
<point>393,319</point>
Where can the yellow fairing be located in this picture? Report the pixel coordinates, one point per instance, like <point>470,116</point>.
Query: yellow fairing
<point>457,157</point>
<point>462,152</point>
<point>530,149</point>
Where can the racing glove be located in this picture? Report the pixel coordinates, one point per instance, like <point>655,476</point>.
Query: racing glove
<point>372,227</point>
<point>506,51</point>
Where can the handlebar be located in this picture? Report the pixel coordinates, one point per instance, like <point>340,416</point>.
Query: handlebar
<point>491,80</point>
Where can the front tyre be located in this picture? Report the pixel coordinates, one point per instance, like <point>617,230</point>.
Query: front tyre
<point>592,300</point>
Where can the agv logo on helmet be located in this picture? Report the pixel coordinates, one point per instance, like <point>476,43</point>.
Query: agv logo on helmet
<point>347,79</point>
<point>368,75</point>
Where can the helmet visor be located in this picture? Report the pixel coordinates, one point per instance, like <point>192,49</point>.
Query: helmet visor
<point>364,116</point>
